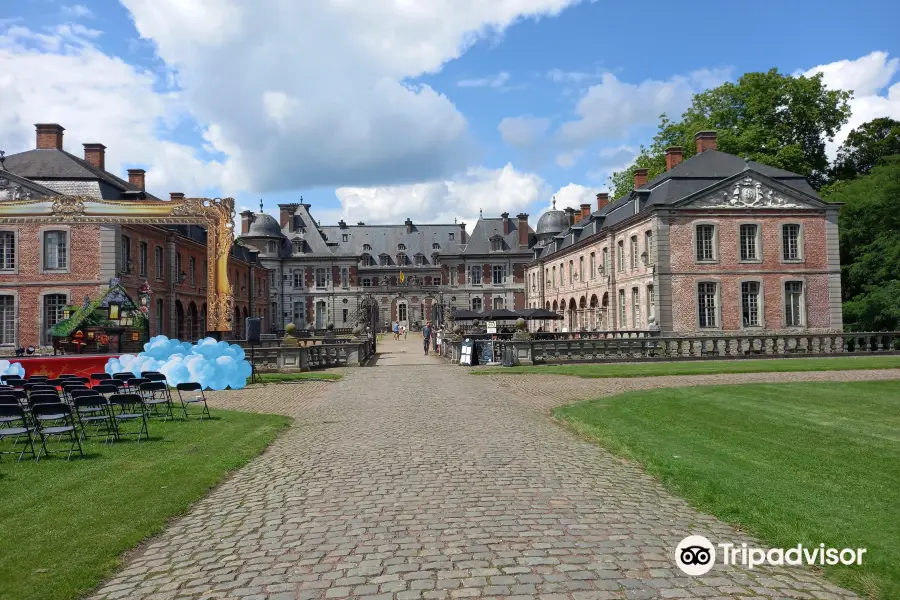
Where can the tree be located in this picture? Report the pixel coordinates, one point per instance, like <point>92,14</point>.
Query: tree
<point>865,146</point>
<point>775,119</point>
<point>869,225</point>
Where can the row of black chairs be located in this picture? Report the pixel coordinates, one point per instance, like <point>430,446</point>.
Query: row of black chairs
<point>36,411</point>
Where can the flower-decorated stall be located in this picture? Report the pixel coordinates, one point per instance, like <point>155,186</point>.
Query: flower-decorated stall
<point>110,324</point>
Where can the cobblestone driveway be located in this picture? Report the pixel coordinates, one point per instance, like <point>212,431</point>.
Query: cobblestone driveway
<point>421,481</point>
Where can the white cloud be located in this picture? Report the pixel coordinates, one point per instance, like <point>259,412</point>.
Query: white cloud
<point>568,159</point>
<point>869,78</point>
<point>493,81</point>
<point>492,191</point>
<point>523,132</point>
<point>78,11</point>
<point>560,76</point>
<point>61,77</point>
<point>348,115</point>
<point>574,195</point>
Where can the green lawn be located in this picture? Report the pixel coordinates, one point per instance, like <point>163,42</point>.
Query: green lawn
<point>63,525</point>
<point>286,377</point>
<point>791,463</point>
<point>771,365</point>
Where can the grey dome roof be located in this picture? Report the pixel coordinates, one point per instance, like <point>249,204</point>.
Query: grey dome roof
<point>552,222</point>
<point>264,225</point>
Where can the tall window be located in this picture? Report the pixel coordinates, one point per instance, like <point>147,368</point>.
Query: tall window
<point>321,278</point>
<point>648,246</point>
<point>53,312</point>
<point>55,250</point>
<point>476,304</point>
<point>271,248</point>
<point>749,241</point>
<point>158,262</point>
<point>7,251</point>
<point>498,302</point>
<point>623,319</point>
<point>345,277</point>
<point>345,313</point>
<point>580,268</point>
<point>499,274</point>
<point>192,271</point>
<point>126,254</point>
<point>651,302</point>
<point>606,261</point>
<point>7,320</point>
<point>592,265</point>
<point>553,281</point>
<point>547,282</point>
<point>475,275</point>
<point>571,271</point>
<point>793,303</point>
<point>159,318</point>
<point>705,242</point>
<point>634,252</point>
<point>706,304</point>
<point>178,267</point>
<point>790,242</point>
<point>496,244</point>
<point>620,250</point>
<point>635,308</point>
<point>142,258</point>
<point>750,303</point>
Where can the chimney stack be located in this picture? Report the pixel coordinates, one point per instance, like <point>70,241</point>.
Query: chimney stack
<point>136,178</point>
<point>246,219</point>
<point>505,223</point>
<point>176,195</point>
<point>640,178</point>
<point>49,136</point>
<point>585,211</point>
<point>285,213</point>
<point>674,156</point>
<point>706,140</point>
<point>95,155</point>
<point>523,229</point>
<point>602,199</point>
<point>462,233</point>
<point>570,213</point>
<point>409,225</point>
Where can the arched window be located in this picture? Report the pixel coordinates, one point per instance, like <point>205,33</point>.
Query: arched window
<point>435,246</point>
<point>367,247</point>
<point>401,246</point>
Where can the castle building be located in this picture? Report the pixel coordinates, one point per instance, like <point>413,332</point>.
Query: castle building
<point>45,266</point>
<point>716,244</point>
<point>322,275</point>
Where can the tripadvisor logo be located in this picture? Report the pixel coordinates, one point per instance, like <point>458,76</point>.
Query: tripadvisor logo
<point>696,555</point>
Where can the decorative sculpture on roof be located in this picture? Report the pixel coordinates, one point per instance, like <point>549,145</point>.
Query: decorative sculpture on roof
<point>747,193</point>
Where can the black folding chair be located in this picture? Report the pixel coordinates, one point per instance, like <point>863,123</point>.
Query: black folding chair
<point>36,398</point>
<point>130,408</point>
<point>71,386</point>
<point>98,377</point>
<point>38,378</point>
<point>15,428</point>
<point>187,396</point>
<point>124,376</point>
<point>152,376</point>
<point>156,395</point>
<point>8,400</point>
<point>7,378</point>
<point>93,411</point>
<point>55,420</point>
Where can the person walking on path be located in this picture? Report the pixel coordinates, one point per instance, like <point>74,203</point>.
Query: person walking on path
<point>426,333</point>
<point>403,331</point>
<point>396,329</point>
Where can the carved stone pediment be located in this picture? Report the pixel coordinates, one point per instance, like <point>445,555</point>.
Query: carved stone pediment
<point>747,193</point>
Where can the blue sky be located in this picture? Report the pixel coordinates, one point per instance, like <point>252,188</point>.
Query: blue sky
<point>376,112</point>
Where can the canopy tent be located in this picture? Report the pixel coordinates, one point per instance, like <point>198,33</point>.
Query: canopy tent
<point>539,314</point>
<point>465,315</point>
<point>499,314</point>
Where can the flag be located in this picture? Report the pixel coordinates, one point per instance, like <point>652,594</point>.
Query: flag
<point>402,277</point>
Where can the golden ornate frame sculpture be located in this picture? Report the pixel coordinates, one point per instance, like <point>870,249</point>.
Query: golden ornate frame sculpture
<point>216,214</point>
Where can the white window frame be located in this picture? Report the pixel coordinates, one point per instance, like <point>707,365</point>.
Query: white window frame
<point>479,301</point>
<point>651,302</point>
<point>11,326</point>
<point>43,297</point>
<point>714,243</point>
<point>648,245</point>
<point>475,272</point>
<point>501,269</point>
<point>760,304</point>
<point>298,277</point>
<point>14,235</point>
<point>498,300</point>
<point>68,253</point>
<point>801,254</point>
<point>636,308</point>
<point>757,242</point>
<point>620,252</point>
<point>324,284</point>
<point>592,265</point>
<point>623,313</point>
<point>717,307</point>
<point>634,252</point>
<point>802,303</point>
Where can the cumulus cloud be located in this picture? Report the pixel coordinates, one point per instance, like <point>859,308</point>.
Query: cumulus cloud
<point>494,81</point>
<point>8,368</point>
<point>492,190</point>
<point>524,131</point>
<point>574,195</point>
<point>214,365</point>
<point>60,76</point>
<point>78,11</point>
<point>315,93</point>
<point>869,77</point>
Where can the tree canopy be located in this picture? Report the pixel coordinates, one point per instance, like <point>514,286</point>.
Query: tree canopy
<point>869,224</point>
<point>865,146</point>
<point>772,118</point>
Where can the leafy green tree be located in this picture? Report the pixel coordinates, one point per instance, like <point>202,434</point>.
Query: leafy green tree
<point>865,146</point>
<point>772,118</point>
<point>870,247</point>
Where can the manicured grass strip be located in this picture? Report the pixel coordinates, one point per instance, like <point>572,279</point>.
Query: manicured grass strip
<point>64,525</point>
<point>772,365</point>
<point>284,377</point>
<point>792,463</point>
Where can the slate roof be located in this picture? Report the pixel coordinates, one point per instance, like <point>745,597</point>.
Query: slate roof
<point>59,165</point>
<point>16,181</point>
<point>691,176</point>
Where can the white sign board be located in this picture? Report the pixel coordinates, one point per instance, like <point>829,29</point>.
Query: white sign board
<point>491,326</point>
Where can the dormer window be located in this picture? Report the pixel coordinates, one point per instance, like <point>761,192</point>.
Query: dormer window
<point>451,236</point>
<point>435,246</point>
<point>401,246</point>
<point>384,260</point>
<point>367,248</point>
<point>496,244</point>
<point>420,259</point>
<point>367,260</point>
<point>434,258</point>
<point>297,246</point>
<point>401,258</point>
<point>271,247</point>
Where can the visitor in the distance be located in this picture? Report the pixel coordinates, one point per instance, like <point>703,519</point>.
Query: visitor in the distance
<point>426,333</point>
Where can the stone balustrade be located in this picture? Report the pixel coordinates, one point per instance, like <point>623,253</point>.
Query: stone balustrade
<point>300,356</point>
<point>667,347</point>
